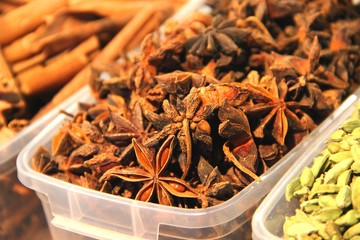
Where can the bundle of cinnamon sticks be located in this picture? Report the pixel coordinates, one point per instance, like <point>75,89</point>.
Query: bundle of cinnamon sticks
<point>46,45</point>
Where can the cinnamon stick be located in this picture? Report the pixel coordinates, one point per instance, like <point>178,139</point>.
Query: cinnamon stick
<point>21,48</point>
<point>69,37</point>
<point>6,7</point>
<point>26,18</point>
<point>109,8</point>
<point>41,78</point>
<point>22,65</point>
<point>4,67</point>
<point>153,23</point>
<point>117,45</point>
<point>110,53</point>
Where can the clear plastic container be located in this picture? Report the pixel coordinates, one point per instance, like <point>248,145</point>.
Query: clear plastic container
<point>20,209</point>
<point>269,218</point>
<point>75,212</point>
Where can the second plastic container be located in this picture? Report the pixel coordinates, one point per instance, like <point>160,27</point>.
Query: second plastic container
<point>268,220</point>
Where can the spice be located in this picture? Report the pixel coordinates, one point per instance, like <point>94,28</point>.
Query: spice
<point>328,191</point>
<point>233,91</point>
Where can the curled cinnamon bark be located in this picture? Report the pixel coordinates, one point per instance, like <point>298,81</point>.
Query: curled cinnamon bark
<point>26,18</point>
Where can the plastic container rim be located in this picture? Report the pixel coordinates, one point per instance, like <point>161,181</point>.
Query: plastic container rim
<point>278,190</point>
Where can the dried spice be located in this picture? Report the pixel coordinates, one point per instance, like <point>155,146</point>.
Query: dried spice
<point>328,191</point>
<point>212,104</point>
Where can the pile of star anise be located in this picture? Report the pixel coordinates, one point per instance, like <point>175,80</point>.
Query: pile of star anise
<point>201,113</point>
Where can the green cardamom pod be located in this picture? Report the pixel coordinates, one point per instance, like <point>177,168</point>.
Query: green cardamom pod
<point>321,233</point>
<point>309,202</point>
<point>341,156</point>
<point>327,214</point>
<point>327,201</point>
<point>348,219</point>
<point>298,229</point>
<point>351,140</point>
<point>350,124</point>
<point>355,194</point>
<point>334,147</point>
<point>320,164</point>
<point>311,208</point>
<point>344,178</point>
<point>292,187</point>
<point>345,145</point>
<point>355,167</point>
<point>337,169</point>
<point>352,231</point>
<point>288,222</point>
<point>337,136</point>
<point>357,237</point>
<point>355,151</point>
<point>325,152</point>
<point>343,198</point>
<point>333,230</point>
<point>307,177</point>
<point>324,189</point>
<point>356,133</point>
<point>301,192</point>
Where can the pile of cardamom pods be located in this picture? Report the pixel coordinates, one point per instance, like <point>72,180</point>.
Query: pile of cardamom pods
<point>329,190</point>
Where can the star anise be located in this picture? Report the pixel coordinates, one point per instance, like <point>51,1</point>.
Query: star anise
<point>240,147</point>
<point>157,185</point>
<point>283,8</point>
<point>222,37</point>
<point>122,130</point>
<point>186,122</point>
<point>166,57</point>
<point>305,76</point>
<point>142,74</point>
<point>259,36</point>
<point>41,161</point>
<point>111,79</point>
<point>274,109</point>
<point>70,137</point>
<point>215,186</point>
<point>180,83</point>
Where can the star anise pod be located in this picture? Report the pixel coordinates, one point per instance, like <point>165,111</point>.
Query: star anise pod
<point>157,185</point>
<point>274,109</point>
<point>180,83</point>
<point>166,57</point>
<point>41,161</point>
<point>245,8</point>
<point>306,78</point>
<point>123,129</point>
<point>240,147</point>
<point>111,78</point>
<point>222,37</point>
<point>70,137</point>
<point>259,36</point>
<point>186,122</point>
<point>215,186</point>
<point>283,8</point>
<point>143,73</point>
